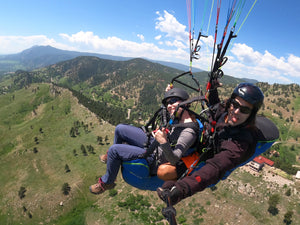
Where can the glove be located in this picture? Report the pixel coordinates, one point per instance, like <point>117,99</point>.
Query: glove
<point>215,84</point>
<point>169,190</point>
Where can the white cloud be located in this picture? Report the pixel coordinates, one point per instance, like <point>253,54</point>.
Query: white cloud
<point>15,44</point>
<point>266,67</point>
<point>245,54</point>
<point>140,36</point>
<point>168,24</point>
<point>176,43</point>
<point>117,46</point>
<point>158,37</point>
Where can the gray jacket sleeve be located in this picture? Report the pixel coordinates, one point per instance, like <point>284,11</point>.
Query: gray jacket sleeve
<point>185,140</point>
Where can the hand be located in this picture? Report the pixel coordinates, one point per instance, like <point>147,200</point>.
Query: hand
<point>169,190</point>
<point>161,136</point>
<point>169,87</point>
<point>215,84</point>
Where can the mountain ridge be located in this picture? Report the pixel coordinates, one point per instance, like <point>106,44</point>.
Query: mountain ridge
<point>42,56</point>
<point>137,83</point>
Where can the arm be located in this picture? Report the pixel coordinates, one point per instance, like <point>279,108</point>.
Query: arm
<point>186,139</point>
<point>232,155</point>
<point>213,96</point>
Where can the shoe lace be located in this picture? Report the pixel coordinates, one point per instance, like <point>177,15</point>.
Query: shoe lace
<point>100,183</point>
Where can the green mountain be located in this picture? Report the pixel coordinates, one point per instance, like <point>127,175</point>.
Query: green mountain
<point>135,84</point>
<point>41,56</point>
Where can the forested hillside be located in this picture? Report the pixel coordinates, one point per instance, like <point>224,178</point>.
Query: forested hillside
<point>135,84</point>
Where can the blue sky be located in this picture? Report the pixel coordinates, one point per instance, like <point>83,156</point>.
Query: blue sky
<point>266,48</point>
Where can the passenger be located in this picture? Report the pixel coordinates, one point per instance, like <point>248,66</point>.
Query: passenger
<point>171,147</point>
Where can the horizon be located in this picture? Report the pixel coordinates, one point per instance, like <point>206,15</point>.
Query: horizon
<point>151,60</point>
<point>159,31</point>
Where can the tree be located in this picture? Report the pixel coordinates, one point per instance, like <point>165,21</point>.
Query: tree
<point>83,150</point>
<point>106,139</point>
<point>74,152</point>
<point>288,217</point>
<point>91,149</point>
<point>22,192</point>
<point>72,132</point>
<point>100,140</point>
<point>35,150</point>
<point>273,201</point>
<point>66,189</point>
<point>67,169</point>
<point>288,192</point>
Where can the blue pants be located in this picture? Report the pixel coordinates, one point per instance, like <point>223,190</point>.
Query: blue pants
<point>135,138</point>
<point>131,135</point>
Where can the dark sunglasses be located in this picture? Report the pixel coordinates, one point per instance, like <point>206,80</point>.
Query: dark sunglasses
<point>243,109</point>
<point>171,101</point>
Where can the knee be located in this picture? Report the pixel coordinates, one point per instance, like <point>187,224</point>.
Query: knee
<point>166,172</point>
<point>112,151</point>
<point>119,128</point>
<point>161,171</point>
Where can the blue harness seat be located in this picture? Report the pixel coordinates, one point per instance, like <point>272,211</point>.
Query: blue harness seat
<point>137,174</point>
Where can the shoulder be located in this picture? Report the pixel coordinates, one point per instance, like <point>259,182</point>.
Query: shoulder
<point>187,127</point>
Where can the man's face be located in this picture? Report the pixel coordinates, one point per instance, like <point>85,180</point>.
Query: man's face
<point>239,111</point>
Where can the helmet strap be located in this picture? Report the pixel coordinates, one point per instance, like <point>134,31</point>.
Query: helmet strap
<point>180,115</point>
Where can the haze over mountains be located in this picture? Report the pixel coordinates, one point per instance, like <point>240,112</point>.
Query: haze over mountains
<point>41,56</point>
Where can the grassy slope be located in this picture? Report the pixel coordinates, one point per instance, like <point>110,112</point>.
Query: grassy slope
<point>43,173</point>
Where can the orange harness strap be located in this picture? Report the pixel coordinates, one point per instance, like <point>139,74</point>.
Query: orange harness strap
<point>190,160</point>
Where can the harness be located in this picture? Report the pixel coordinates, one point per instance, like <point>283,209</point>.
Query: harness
<point>207,144</point>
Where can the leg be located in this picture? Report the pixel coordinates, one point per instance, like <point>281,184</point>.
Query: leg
<point>131,135</point>
<point>166,172</point>
<point>118,153</point>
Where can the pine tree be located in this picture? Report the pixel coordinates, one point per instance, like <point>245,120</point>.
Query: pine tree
<point>273,201</point>
<point>83,150</point>
<point>66,189</point>
<point>288,217</point>
<point>67,169</point>
<point>22,192</point>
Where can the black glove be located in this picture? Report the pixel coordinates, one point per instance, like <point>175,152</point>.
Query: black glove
<point>215,83</point>
<point>170,190</point>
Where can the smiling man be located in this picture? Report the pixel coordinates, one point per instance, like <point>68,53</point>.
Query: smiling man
<point>230,140</point>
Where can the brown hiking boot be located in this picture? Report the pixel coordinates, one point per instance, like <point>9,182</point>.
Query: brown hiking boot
<point>103,158</point>
<point>100,187</point>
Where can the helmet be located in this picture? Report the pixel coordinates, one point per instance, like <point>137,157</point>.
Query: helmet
<point>175,92</point>
<point>250,93</point>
